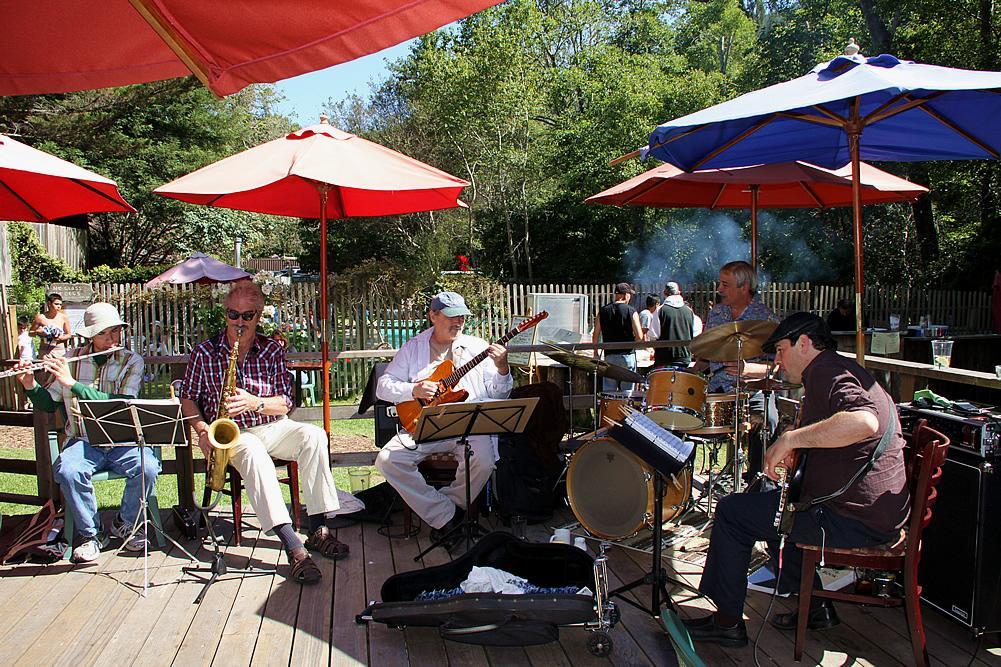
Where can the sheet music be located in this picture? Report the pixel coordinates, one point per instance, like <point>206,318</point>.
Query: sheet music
<point>655,433</point>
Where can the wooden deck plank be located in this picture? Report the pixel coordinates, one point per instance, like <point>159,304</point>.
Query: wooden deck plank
<point>424,647</point>
<point>311,639</point>
<point>109,613</point>
<point>163,642</point>
<point>202,639</point>
<point>386,647</point>
<point>97,596</point>
<point>145,614</point>
<point>275,641</point>
<point>349,645</point>
<point>649,642</point>
<point>41,601</point>
<point>243,627</point>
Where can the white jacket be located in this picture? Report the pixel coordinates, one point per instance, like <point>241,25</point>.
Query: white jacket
<point>412,363</point>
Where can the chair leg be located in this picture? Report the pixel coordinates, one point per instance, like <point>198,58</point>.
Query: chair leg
<point>293,485</point>
<point>68,530</point>
<point>154,514</point>
<point>912,607</point>
<point>810,560</point>
<point>236,489</point>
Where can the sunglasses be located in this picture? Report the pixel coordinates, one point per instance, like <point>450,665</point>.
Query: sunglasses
<point>246,315</point>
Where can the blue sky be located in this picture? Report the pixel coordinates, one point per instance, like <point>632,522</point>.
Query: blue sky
<point>306,94</point>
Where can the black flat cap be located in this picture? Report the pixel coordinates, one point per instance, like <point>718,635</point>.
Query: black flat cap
<point>794,326</point>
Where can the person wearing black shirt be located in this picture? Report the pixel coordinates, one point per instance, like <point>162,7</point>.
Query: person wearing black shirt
<point>618,322</point>
<point>675,321</point>
<point>842,318</point>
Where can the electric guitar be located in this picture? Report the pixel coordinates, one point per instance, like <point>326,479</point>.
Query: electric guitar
<point>448,377</point>
<point>790,482</point>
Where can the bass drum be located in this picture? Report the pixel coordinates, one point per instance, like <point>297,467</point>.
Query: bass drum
<point>611,490</point>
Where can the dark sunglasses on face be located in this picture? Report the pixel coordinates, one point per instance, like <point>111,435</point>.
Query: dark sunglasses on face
<point>246,315</point>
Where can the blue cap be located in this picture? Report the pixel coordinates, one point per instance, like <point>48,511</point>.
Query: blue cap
<point>450,304</point>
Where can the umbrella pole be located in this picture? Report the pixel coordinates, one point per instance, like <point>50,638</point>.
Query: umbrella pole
<point>754,226</point>
<point>324,318</point>
<point>854,136</point>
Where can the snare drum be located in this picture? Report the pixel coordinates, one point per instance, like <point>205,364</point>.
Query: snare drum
<point>676,399</point>
<point>720,416</point>
<point>611,404</point>
<point>611,490</point>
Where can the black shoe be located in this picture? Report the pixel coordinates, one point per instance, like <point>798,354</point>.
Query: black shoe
<point>455,521</point>
<point>705,630</point>
<point>823,617</point>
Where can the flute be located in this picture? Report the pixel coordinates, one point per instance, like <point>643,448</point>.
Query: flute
<point>40,365</point>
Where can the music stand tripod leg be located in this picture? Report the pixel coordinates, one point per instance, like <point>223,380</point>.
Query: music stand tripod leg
<point>657,577</point>
<point>469,527</point>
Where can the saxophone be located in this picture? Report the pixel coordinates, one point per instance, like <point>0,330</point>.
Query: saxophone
<point>223,432</point>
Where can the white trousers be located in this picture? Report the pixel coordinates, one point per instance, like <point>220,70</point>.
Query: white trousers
<point>292,441</point>
<point>398,460</point>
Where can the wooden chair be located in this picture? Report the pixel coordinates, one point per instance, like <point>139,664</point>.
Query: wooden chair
<point>928,450</point>
<point>235,490</point>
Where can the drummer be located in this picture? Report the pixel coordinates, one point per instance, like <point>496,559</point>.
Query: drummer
<point>738,288</point>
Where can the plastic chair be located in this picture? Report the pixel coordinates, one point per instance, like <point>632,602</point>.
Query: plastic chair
<point>928,452</point>
<point>104,476</point>
<point>307,387</point>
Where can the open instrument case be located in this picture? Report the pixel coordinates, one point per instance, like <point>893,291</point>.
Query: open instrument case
<point>504,619</point>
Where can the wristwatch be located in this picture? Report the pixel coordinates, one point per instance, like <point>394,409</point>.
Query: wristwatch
<point>260,406</point>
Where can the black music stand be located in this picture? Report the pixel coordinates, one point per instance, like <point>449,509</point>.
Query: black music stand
<point>461,420</point>
<point>124,422</point>
<point>657,577</point>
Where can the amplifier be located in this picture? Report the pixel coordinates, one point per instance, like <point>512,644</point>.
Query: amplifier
<point>980,435</point>
<point>961,548</point>
<point>386,423</point>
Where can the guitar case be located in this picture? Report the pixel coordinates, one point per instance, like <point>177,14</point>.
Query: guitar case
<point>494,619</point>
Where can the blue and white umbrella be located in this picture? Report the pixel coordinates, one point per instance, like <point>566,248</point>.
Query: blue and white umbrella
<point>849,109</point>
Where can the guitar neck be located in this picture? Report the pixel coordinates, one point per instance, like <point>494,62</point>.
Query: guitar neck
<point>455,376</point>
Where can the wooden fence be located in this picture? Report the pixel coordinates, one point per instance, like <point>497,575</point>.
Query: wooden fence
<point>170,321</point>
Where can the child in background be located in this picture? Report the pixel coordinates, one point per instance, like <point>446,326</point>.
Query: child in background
<point>25,352</point>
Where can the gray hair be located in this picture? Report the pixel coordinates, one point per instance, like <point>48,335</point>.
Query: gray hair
<point>245,289</point>
<point>743,273</point>
<point>672,288</point>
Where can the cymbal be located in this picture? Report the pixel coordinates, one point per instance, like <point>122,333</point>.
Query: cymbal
<point>721,342</point>
<point>592,365</point>
<point>770,384</point>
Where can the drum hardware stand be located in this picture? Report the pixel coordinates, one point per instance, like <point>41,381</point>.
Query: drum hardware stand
<point>657,577</point>
<point>737,463</point>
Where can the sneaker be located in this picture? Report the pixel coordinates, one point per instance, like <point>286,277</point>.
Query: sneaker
<point>90,549</point>
<point>121,530</point>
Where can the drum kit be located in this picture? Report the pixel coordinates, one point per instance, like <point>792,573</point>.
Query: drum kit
<point>610,489</point>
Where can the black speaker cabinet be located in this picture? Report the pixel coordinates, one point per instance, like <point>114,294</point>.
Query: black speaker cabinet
<point>961,560</point>
<point>386,423</point>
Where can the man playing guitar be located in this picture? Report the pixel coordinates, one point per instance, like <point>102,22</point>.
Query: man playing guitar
<point>854,485</point>
<point>404,381</point>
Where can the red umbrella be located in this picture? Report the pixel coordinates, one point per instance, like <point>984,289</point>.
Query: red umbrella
<point>320,172</point>
<point>53,46</point>
<point>784,185</point>
<point>199,268</point>
<point>38,187</point>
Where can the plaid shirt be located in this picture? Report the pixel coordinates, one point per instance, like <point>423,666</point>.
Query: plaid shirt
<point>263,373</point>
<point>122,374</point>
<point>720,380</point>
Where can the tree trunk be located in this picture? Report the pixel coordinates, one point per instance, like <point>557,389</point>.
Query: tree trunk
<point>988,57</point>
<point>882,39</point>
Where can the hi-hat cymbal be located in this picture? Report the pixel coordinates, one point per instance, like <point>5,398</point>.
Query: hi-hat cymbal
<point>592,365</point>
<point>726,341</point>
<point>770,384</point>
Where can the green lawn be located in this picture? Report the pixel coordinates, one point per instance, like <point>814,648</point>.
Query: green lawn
<point>109,494</point>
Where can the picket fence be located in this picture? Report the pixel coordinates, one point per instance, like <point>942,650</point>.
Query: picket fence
<point>170,321</point>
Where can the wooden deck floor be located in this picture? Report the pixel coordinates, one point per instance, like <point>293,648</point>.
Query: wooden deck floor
<point>84,615</point>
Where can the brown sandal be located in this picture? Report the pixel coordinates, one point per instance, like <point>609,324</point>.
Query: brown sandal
<point>303,570</point>
<point>323,542</point>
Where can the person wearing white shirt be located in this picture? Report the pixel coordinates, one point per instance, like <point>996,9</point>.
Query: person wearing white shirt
<point>404,381</point>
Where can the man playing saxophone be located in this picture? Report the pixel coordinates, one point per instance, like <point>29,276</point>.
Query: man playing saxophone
<point>116,374</point>
<point>258,404</point>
